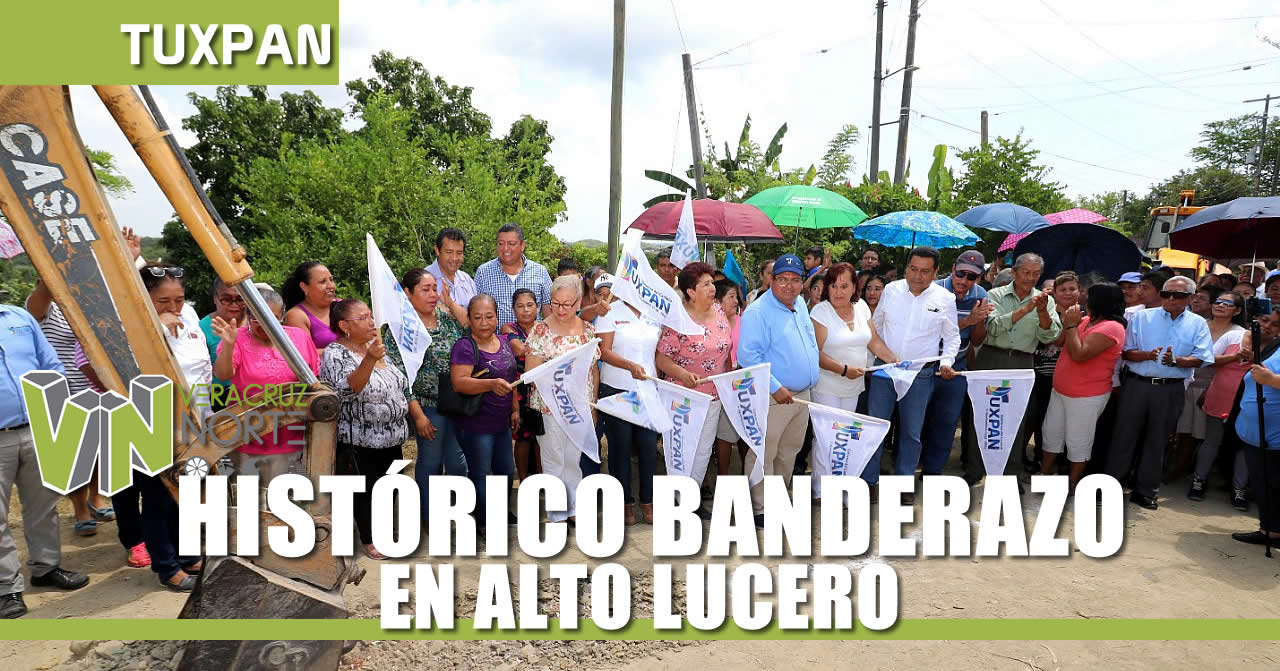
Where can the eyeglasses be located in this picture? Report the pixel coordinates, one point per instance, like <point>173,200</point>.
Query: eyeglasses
<point>359,319</point>
<point>967,275</point>
<point>564,306</point>
<point>1175,294</point>
<point>1226,303</point>
<point>160,271</point>
<point>226,300</point>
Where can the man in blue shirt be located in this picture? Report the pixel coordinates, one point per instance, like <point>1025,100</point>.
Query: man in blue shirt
<point>23,348</point>
<point>1162,346</point>
<point>776,330</point>
<point>951,396</point>
<point>511,270</point>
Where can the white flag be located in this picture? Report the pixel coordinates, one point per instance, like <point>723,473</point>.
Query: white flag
<point>685,249</point>
<point>843,442</point>
<point>645,291</point>
<point>564,384</point>
<point>391,306</point>
<point>685,413</point>
<point>902,374</point>
<point>999,399</point>
<point>744,393</point>
<point>641,406</point>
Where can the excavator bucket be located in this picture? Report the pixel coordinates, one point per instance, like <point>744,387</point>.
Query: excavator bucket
<point>51,199</point>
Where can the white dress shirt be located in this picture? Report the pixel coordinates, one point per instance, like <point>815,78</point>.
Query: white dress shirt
<point>912,326</point>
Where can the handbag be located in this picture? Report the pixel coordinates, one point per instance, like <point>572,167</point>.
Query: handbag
<point>450,402</point>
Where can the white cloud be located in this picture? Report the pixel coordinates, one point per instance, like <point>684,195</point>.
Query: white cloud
<point>552,60</point>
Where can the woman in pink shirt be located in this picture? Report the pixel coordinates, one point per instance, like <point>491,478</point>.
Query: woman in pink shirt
<point>1082,378</point>
<point>247,358</point>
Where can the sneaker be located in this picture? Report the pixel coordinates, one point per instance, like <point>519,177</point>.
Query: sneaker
<point>1197,492</point>
<point>138,556</point>
<point>1238,501</point>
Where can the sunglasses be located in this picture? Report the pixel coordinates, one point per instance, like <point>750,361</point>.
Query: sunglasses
<point>1175,294</point>
<point>967,275</point>
<point>160,271</point>
<point>1226,303</point>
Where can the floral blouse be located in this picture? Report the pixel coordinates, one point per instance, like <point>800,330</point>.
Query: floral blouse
<point>375,417</point>
<point>703,355</point>
<point>426,388</point>
<point>547,345</point>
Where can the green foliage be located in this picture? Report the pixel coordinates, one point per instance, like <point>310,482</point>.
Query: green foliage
<point>941,183</point>
<point>108,174</point>
<point>232,131</point>
<point>383,181</point>
<point>837,162</point>
<point>1228,144</point>
<point>1007,170</point>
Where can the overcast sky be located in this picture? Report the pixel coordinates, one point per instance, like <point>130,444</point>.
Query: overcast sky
<point>1123,86</point>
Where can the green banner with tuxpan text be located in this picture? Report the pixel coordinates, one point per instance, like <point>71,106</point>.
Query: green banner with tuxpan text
<point>166,42</point>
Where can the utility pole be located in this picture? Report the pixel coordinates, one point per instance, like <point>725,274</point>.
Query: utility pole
<point>1124,204</point>
<point>615,128</point>
<point>877,84</point>
<point>984,129</point>
<point>1262,141</point>
<point>900,167</point>
<point>695,138</point>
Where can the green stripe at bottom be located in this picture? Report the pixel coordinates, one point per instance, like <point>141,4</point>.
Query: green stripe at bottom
<point>904,630</point>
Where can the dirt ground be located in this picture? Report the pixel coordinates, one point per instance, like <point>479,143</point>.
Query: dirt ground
<point>1177,562</point>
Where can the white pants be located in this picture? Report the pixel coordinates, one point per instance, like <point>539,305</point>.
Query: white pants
<point>820,460</point>
<point>560,459</point>
<point>716,426</point>
<point>1072,421</point>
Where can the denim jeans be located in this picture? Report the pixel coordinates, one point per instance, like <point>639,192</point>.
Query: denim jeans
<point>585,464</point>
<point>158,521</point>
<point>442,451</point>
<point>487,454</point>
<point>626,439</point>
<point>911,411</point>
<point>945,406</point>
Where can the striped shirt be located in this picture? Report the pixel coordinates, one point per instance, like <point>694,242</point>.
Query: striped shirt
<point>491,279</point>
<point>59,334</point>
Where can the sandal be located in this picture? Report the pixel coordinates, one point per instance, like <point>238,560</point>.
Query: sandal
<point>87,528</point>
<point>104,514</point>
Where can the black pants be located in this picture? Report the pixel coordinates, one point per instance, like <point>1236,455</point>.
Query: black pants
<point>372,463</point>
<point>1147,413</point>
<point>1264,484</point>
<point>155,522</point>
<point>1102,434</point>
<point>1037,407</point>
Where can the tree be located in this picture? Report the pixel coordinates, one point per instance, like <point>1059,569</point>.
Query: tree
<point>837,162</point>
<point>108,173</point>
<point>1006,170</point>
<point>382,180</point>
<point>232,131</point>
<point>1231,143</point>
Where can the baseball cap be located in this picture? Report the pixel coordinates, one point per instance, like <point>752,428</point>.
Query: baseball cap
<point>971,260</point>
<point>1133,278</point>
<point>604,280</point>
<point>788,263</point>
<point>1271,277</point>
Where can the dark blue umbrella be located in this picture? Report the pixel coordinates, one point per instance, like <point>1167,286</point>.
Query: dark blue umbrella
<point>1083,248</point>
<point>1242,228</point>
<point>1003,217</point>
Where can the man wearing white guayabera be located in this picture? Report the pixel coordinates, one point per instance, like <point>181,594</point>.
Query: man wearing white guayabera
<point>913,317</point>
<point>776,330</point>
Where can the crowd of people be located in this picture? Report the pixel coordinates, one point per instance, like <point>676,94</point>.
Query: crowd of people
<point>1127,374</point>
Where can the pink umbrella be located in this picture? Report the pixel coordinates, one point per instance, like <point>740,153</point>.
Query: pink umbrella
<point>1076,215</point>
<point>713,221</point>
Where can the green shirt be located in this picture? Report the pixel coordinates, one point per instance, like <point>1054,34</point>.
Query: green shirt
<point>426,388</point>
<point>1023,336</point>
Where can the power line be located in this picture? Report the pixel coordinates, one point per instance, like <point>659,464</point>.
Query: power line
<point>684,47</point>
<point>1122,60</point>
<point>733,49</point>
<point>1213,71</point>
<point>1152,22</point>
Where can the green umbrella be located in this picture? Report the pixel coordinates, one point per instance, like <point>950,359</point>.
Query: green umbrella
<point>806,206</point>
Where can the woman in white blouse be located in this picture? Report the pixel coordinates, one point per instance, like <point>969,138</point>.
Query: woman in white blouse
<point>843,327</point>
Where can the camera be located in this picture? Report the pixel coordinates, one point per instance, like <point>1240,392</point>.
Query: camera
<point>1257,307</point>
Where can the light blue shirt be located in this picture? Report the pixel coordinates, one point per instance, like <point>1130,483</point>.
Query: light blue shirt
<point>461,289</point>
<point>1188,335</point>
<point>775,334</point>
<point>23,348</point>
<point>1247,422</point>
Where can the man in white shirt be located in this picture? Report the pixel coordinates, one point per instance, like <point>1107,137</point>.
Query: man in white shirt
<point>913,316</point>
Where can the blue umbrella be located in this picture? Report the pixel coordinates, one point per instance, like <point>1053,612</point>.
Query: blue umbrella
<point>1241,228</point>
<point>1003,217</point>
<point>913,228</point>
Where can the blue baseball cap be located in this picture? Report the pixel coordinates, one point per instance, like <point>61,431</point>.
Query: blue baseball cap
<point>788,263</point>
<point>1134,278</point>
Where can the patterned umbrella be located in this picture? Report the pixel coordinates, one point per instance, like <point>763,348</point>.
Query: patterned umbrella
<point>913,228</point>
<point>1076,215</point>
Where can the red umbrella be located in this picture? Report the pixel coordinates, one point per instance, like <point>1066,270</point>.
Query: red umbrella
<point>713,221</point>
